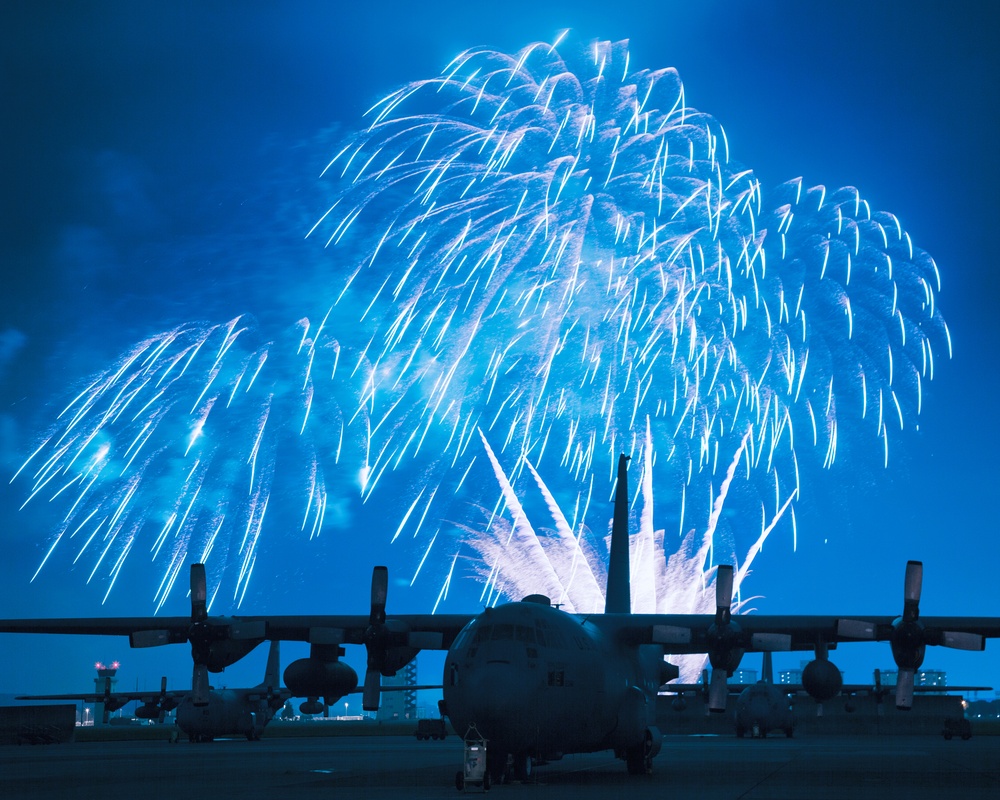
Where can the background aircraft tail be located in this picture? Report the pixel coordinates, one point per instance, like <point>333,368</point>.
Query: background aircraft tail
<point>272,673</point>
<point>767,668</point>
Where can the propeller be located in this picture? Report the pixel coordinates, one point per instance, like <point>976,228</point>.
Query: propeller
<point>909,636</point>
<point>723,639</point>
<point>390,643</point>
<point>165,703</point>
<point>215,642</point>
<point>199,635</point>
<point>375,640</point>
<point>108,700</point>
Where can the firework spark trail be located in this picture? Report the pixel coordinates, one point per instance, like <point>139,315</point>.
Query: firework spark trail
<point>517,559</point>
<point>548,253</point>
<point>175,446</point>
<point>565,251</point>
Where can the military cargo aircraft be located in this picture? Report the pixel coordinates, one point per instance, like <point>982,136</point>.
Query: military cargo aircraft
<point>228,712</point>
<point>537,682</point>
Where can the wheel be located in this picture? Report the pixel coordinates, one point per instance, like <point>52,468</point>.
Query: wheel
<point>947,736</point>
<point>637,762</point>
<point>522,767</point>
<point>459,780</point>
<point>496,766</point>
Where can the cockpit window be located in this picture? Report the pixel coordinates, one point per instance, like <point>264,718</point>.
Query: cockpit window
<point>525,634</point>
<point>548,636</point>
<point>483,633</point>
<point>462,638</point>
<point>502,631</point>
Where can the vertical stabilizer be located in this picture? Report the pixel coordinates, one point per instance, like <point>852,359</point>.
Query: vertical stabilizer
<point>272,678</point>
<point>618,598</point>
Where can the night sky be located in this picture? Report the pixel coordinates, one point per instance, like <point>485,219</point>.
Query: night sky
<point>161,166</point>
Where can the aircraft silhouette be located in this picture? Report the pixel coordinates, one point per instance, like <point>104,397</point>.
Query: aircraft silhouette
<point>537,682</point>
<point>227,712</point>
<point>765,707</point>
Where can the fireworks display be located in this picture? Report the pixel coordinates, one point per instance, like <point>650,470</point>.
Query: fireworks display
<point>537,263</point>
<point>564,259</point>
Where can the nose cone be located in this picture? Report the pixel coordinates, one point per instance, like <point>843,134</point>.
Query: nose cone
<point>496,698</point>
<point>496,694</point>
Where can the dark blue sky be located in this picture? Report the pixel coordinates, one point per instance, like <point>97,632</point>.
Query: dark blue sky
<point>160,166</point>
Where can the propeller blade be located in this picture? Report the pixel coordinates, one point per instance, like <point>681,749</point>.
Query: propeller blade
<point>372,691</point>
<point>718,691</point>
<point>911,589</point>
<point>199,593</point>
<point>960,640</point>
<point>904,688</point>
<point>723,593</point>
<point>380,589</point>
<point>199,685</point>
<point>724,586</point>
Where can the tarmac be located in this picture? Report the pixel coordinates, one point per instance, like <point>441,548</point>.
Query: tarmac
<point>398,767</point>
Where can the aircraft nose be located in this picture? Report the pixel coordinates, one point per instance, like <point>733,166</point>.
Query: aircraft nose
<point>498,693</point>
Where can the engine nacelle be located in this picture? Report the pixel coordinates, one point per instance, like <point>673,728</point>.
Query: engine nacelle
<point>113,703</point>
<point>148,711</point>
<point>908,644</point>
<point>396,658</point>
<point>821,679</point>
<point>225,653</point>
<point>724,652</point>
<point>311,706</point>
<point>315,677</point>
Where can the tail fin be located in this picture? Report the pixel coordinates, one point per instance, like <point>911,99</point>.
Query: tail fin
<point>767,668</point>
<point>618,599</point>
<point>272,673</point>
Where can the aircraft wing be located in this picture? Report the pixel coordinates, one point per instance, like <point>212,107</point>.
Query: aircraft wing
<point>423,631</point>
<point>699,633</point>
<point>434,631</point>
<point>172,630</point>
<point>121,698</point>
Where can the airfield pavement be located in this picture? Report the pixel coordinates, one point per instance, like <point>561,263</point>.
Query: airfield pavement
<point>400,768</point>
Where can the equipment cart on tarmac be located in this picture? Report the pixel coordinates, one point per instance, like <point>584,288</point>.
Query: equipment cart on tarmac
<point>473,772</point>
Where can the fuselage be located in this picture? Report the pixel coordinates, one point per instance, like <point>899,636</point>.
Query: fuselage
<point>535,680</point>
<point>228,713</point>
<point>763,708</point>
